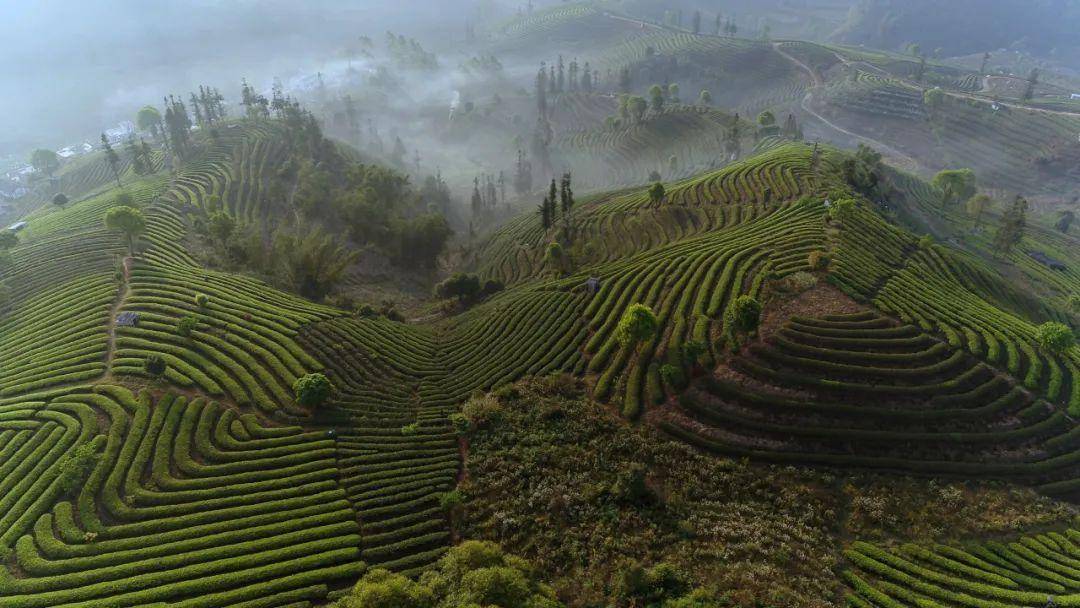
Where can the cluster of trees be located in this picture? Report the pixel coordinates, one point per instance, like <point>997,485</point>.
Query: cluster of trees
<point>472,574</point>
<point>408,53</point>
<point>488,192</point>
<point>559,78</point>
<point>467,288</point>
<point>560,196</point>
<point>523,179</point>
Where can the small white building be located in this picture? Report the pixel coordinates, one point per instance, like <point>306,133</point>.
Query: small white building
<point>17,226</point>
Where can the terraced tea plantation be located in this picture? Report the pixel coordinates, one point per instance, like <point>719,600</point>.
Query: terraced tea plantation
<point>1030,571</point>
<point>213,487</point>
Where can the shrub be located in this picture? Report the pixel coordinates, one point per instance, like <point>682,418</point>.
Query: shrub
<point>636,585</point>
<point>461,286</point>
<point>8,240</point>
<point>460,423</point>
<point>638,324</point>
<point>76,465</point>
<point>926,241</point>
<point>392,314</point>
<point>817,260</point>
<point>410,430</point>
<point>657,192</point>
<point>798,282</point>
<point>155,366</point>
<point>186,325</point>
<point>491,287</point>
<point>449,501</point>
<point>384,589</point>
<point>1074,303</point>
<point>692,351</point>
<point>366,311</point>
<point>673,375</point>
<point>312,390</point>
<point>842,209</point>
<point>1055,337</point>
<point>482,410</point>
<point>744,315</point>
<point>202,300</point>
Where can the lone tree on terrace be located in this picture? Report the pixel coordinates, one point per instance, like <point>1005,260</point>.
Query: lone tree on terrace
<point>1055,337</point>
<point>60,200</point>
<point>956,185</point>
<point>657,193</point>
<point>128,220</point>
<point>312,390</point>
<point>638,324</point>
<point>45,161</point>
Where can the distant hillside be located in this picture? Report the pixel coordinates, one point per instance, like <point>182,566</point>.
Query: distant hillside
<point>961,27</point>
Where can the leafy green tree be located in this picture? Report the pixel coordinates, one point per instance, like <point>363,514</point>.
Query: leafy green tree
<point>977,205</point>
<point>744,315</point>
<point>767,119</point>
<point>637,106</point>
<point>705,98</point>
<point>186,325</point>
<point>8,240</point>
<point>933,98</point>
<point>956,185</point>
<point>842,210</point>
<point>473,574</point>
<point>637,324</point>
<point>1011,230</point>
<point>1055,337</point>
<point>657,193</point>
<point>636,585</point>
<point>127,220</point>
<point>45,161</point>
<point>383,589</point>
<point>656,98</point>
<point>312,390</point>
<point>555,256</point>
<point>673,92</point>
<point>149,119</point>
<point>221,226</point>
<point>310,261</point>
<point>460,285</point>
<point>60,200</point>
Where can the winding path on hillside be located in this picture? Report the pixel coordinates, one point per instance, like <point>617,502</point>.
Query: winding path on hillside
<point>899,158</point>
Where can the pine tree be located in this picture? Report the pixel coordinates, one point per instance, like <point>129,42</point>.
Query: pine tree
<point>587,79</point>
<point>560,85</point>
<point>545,213</point>
<point>552,198</point>
<point>541,90</point>
<point>147,156</point>
<point>566,194</point>
<point>112,157</point>
<point>477,201</point>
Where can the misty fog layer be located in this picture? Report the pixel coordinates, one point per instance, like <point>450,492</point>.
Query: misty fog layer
<point>73,68</point>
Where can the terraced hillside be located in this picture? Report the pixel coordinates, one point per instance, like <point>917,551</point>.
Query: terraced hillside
<point>748,75</point>
<point>1009,146</point>
<point>860,389</point>
<point>616,224</point>
<point>694,136</point>
<point>212,487</point>
<point>1029,571</point>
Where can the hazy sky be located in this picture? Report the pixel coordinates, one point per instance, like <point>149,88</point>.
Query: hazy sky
<point>73,67</point>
